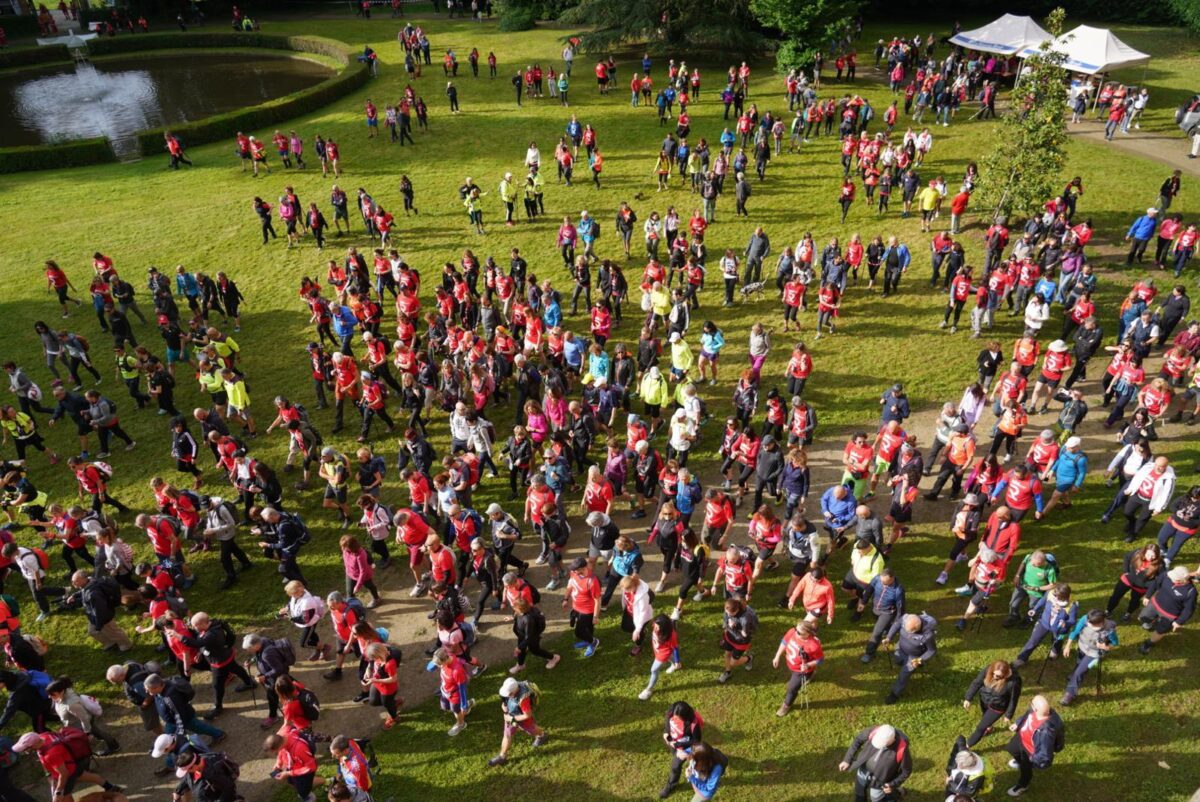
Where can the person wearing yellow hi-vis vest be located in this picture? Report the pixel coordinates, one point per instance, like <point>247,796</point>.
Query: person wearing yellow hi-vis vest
<point>129,370</point>
<point>22,428</point>
<point>682,358</point>
<point>239,401</point>
<point>654,392</point>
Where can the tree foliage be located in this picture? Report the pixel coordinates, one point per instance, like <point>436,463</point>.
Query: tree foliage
<point>1188,12</point>
<point>1025,166</point>
<point>805,26</point>
<point>720,27</point>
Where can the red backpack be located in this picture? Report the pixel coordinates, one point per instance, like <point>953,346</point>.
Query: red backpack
<point>74,740</point>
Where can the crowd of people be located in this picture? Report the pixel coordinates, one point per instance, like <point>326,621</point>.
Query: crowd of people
<point>599,423</point>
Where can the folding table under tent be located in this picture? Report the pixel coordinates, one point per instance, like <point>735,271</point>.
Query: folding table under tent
<point>1092,50</point>
<point>1006,36</point>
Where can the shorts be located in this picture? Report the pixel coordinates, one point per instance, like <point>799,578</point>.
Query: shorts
<point>178,355</point>
<point>62,293</point>
<point>291,225</point>
<point>1051,383</point>
<point>710,534</point>
<point>373,123</point>
<point>732,646</point>
<point>710,357</point>
<point>734,593</point>
<point>601,81</point>
<point>415,556</point>
<point>453,704</point>
<point>83,428</point>
<point>1064,489</point>
<point>219,398</point>
<point>979,599</point>
<point>766,552</point>
<point>245,154</point>
<point>1158,623</point>
<point>653,410</point>
<point>528,726</point>
<point>799,568</point>
<point>332,493</point>
<point>882,465</point>
<point>594,552</point>
<point>237,412</point>
<point>900,514</point>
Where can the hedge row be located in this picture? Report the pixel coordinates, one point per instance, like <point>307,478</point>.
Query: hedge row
<point>225,126</point>
<point>47,157</point>
<point>210,129</point>
<point>32,56</point>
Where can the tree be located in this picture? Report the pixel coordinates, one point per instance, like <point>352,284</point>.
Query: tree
<point>805,26</point>
<point>1025,166</point>
<point>721,27</point>
<point>1188,11</point>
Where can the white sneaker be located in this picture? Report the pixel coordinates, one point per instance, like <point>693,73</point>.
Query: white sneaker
<point>676,614</point>
<point>644,695</point>
<point>671,669</point>
<point>1015,791</point>
<point>456,729</point>
<point>1012,764</point>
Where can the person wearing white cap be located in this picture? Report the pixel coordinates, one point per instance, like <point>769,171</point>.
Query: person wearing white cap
<point>1055,363</point>
<point>881,758</point>
<point>517,701</point>
<point>63,770</point>
<point>1171,604</point>
<point>1070,469</point>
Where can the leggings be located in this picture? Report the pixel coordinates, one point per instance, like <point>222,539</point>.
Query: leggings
<point>1119,590</point>
<point>220,677</point>
<point>380,547</point>
<point>990,717</point>
<point>68,555</point>
<point>486,591</point>
<point>1009,441</point>
<point>585,626</point>
<point>386,701</point>
<point>796,683</point>
<point>534,646</point>
<point>367,584</point>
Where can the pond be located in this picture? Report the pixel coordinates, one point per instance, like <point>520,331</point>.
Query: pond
<point>117,98</point>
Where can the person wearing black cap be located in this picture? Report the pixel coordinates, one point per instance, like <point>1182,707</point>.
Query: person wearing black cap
<point>881,759</point>
<point>894,405</point>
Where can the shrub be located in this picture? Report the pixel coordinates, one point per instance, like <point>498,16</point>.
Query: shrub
<point>517,19</point>
<point>47,157</point>
<point>33,56</point>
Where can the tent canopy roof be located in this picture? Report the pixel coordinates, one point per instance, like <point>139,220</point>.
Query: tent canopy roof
<point>1092,50</point>
<point>1007,35</point>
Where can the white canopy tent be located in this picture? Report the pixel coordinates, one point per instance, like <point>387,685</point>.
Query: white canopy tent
<point>1092,50</point>
<point>1006,36</point>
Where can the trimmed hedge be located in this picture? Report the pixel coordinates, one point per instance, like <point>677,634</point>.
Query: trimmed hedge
<point>226,126</point>
<point>33,56</point>
<point>211,129</point>
<point>47,157</point>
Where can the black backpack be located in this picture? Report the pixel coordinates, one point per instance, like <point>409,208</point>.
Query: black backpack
<point>185,688</point>
<point>309,705</point>
<point>286,651</point>
<point>228,637</point>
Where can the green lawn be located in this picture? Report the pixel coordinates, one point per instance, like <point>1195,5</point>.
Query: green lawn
<point>604,740</point>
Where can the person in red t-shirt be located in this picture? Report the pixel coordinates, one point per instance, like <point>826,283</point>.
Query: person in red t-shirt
<point>665,642</point>
<point>62,769</point>
<point>802,652</point>
<point>59,284</point>
<point>583,600</point>
<point>295,762</point>
<point>382,679</point>
<point>517,700</point>
<point>453,691</point>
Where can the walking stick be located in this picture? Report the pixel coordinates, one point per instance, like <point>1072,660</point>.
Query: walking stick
<point>253,686</point>
<point>1099,673</point>
<point>1046,660</point>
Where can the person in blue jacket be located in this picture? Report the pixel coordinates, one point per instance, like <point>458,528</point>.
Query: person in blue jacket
<point>1070,469</point>
<point>344,323</point>
<point>187,287</point>
<point>838,506</point>
<point>705,769</point>
<point>1038,736</point>
<point>552,315</point>
<point>1055,615</point>
<point>1140,232</point>
<point>894,260</point>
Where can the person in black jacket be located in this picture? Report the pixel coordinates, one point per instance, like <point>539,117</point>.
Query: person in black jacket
<point>24,697</point>
<point>528,625</point>
<point>1039,735</point>
<point>100,597</point>
<point>131,676</point>
<point>767,470</point>
<point>682,730</point>
<point>1086,339</point>
<point>208,777</point>
<point>272,659</point>
<point>172,701</point>
<point>1181,526</point>
<point>20,652</point>
<point>881,758</point>
<point>215,641</point>
<point>283,536</point>
<point>1171,604</point>
<point>417,449</point>
<point>998,687</point>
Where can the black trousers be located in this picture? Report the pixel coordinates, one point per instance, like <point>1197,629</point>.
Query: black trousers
<point>229,550</point>
<point>221,675</point>
<point>1024,765</point>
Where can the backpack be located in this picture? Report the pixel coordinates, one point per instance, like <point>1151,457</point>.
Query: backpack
<point>39,646</point>
<point>469,633</point>
<point>357,606</point>
<point>394,653</point>
<point>193,497</point>
<point>228,638</point>
<point>534,593</point>
<point>42,557</point>
<point>91,704</point>
<point>76,741</point>
<point>222,762</point>
<point>309,706</point>
<point>176,604</point>
<point>383,633</point>
<point>286,650</point>
<point>111,590</point>
<point>303,412</point>
<point>103,467</point>
<point>751,621</point>
<point>379,464</point>
<point>747,554</point>
<point>83,343</point>
<point>229,507</point>
<point>535,693</point>
<point>185,688</point>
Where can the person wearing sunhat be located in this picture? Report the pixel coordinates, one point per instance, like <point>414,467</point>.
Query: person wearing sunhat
<point>517,700</point>
<point>1055,363</point>
<point>1169,604</point>
<point>63,770</point>
<point>1069,469</point>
